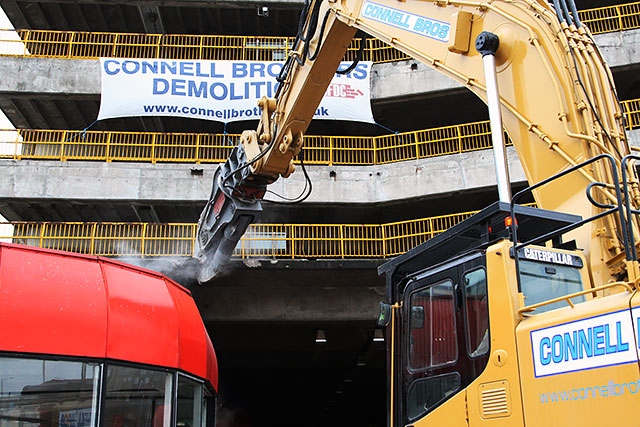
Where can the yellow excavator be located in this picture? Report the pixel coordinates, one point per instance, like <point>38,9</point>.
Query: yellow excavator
<point>520,315</point>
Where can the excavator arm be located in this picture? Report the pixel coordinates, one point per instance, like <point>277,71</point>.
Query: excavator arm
<point>267,153</point>
<point>556,100</point>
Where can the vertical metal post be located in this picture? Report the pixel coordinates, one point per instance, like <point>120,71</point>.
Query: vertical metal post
<point>487,44</point>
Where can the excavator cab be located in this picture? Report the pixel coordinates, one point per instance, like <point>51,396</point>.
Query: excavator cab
<point>442,330</point>
<point>499,318</point>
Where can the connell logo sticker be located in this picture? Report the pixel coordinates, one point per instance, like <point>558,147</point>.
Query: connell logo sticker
<point>434,29</point>
<point>591,343</point>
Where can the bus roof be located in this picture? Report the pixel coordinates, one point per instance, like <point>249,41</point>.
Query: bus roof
<point>76,305</point>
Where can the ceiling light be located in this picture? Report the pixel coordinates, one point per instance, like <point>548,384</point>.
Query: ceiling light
<point>320,336</point>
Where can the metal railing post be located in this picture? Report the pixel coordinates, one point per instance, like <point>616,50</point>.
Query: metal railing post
<point>26,41</point>
<point>107,148</point>
<point>114,45</point>
<point>42,232</point>
<point>619,15</point>
<point>383,233</point>
<point>92,242</point>
<point>62,146</point>
<point>197,153</point>
<point>331,151</point>
<point>70,45</point>
<point>153,148</point>
<point>374,143</point>
<point>143,240</point>
<point>15,145</point>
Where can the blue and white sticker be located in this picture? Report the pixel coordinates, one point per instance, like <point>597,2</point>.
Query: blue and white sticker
<point>591,343</point>
<point>428,27</point>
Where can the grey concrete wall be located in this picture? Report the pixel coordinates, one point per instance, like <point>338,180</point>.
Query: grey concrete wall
<point>285,290</point>
<point>369,184</point>
<point>50,76</point>
<point>108,181</point>
<point>38,179</point>
<point>82,77</point>
<point>291,303</point>
<point>204,3</point>
<point>634,138</point>
<point>620,48</point>
<point>398,181</point>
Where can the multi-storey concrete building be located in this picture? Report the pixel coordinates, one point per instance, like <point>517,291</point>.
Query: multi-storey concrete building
<point>134,187</point>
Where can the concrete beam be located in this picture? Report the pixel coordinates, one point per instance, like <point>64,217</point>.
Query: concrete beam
<point>145,183</point>
<point>285,290</point>
<point>634,138</point>
<point>63,77</point>
<point>108,181</point>
<point>236,303</point>
<point>620,48</point>
<point>183,3</point>
<point>392,182</point>
<point>151,18</point>
<point>50,77</point>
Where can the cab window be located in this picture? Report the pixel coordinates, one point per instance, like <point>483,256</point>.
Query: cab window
<point>432,324</point>
<point>542,281</point>
<point>476,312</point>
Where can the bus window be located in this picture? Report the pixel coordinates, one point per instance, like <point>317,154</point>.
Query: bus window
<point>196,405</point>
<point>36,392</point>
<point>137,397</point>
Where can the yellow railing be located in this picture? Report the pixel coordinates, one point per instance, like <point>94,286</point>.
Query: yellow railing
<point>32,144</point>
<point>91,45</point>
<point>215,148</point>
<point>612,18</point>
<point>631,111</point>
<point>293,241</point>
<point>116,146</point>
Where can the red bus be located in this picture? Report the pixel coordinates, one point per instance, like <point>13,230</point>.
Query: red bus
<point>89,341</point>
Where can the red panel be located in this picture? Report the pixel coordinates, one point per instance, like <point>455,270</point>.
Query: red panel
<point>143,323</point>
<point>51,303</point>
<point>194,356</point>
<point>68,304</point>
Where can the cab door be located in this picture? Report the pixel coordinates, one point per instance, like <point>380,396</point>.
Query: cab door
<point>443,337</point>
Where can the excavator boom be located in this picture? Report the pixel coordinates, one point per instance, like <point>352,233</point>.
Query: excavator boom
<point>556,100</point>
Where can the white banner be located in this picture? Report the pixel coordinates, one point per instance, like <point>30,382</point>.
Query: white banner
<point>223,91</point>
